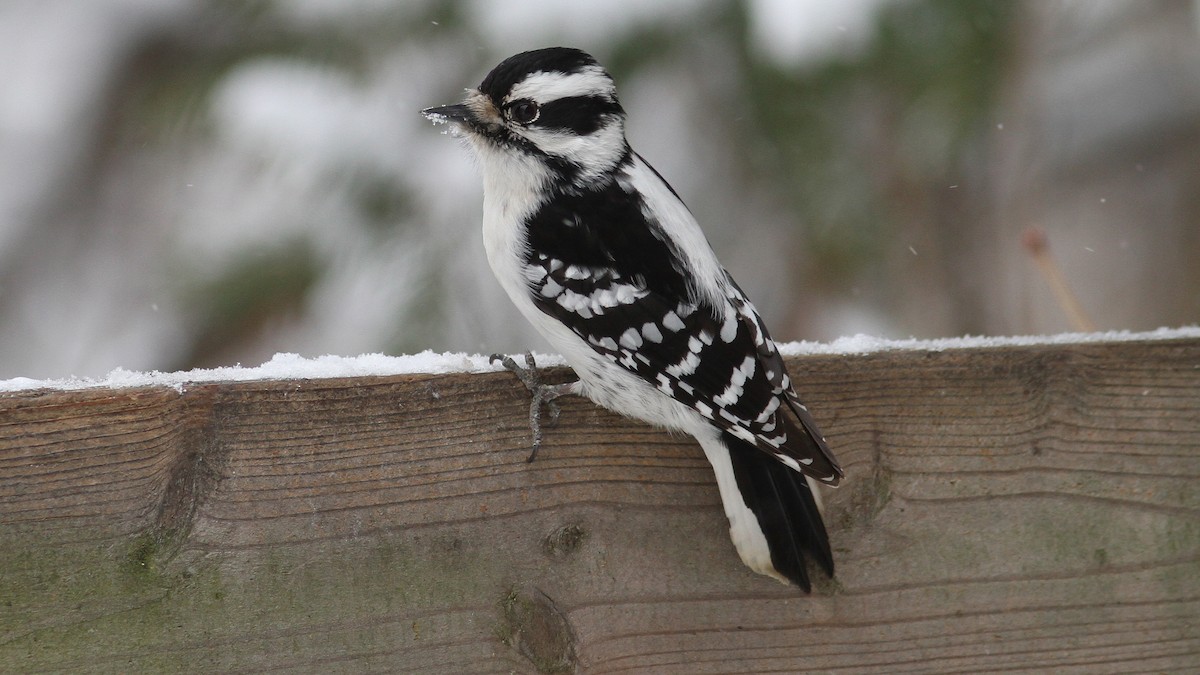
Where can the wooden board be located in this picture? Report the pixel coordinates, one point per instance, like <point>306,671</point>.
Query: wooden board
<point>1021,508</point>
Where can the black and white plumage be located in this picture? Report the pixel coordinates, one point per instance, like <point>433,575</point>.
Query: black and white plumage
<point>600,254</point>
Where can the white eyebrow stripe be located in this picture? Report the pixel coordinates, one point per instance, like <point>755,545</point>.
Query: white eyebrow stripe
<point>544,87</point>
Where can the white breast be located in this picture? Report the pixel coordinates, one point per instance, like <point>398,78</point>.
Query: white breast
<point>512,191</point>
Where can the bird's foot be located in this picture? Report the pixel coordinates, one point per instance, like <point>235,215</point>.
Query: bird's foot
<point>543,394</point>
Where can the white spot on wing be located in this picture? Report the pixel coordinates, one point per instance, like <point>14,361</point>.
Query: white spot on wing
<point>774,441</point>
<point>737,380</point>
<point>664,384</point>
<point>734,419</point>
<point>685,367</point>
<point>605,343</point>
<point>630,339</point>
<point>605,298</point>
<point>574,302</point>
<point>626,293</point>
<point>772,406</point>
<point>672,322</point>
<point>729,328</point>
<point>742,433</point>
<point>535,273</point>
<point>651,332</point>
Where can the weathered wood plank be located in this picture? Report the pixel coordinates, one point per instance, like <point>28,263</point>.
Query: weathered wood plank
<point>1020,508</point>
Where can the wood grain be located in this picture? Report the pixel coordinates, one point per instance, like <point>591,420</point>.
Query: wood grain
<point>1021,508</point>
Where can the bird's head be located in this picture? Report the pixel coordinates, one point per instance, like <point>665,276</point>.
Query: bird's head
<point>556,107</point>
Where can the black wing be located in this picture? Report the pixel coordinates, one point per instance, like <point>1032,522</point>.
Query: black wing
<point>600,267</point>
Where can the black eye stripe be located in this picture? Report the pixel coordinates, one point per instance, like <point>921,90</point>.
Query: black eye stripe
<point>580,114</point>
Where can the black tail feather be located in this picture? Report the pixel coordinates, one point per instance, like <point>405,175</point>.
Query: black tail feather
<point>807,519</point>
<point>786,509</point>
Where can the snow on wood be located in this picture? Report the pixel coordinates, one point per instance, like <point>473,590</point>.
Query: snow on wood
<point>296,367</point>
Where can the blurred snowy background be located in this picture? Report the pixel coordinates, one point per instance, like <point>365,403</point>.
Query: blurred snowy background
<point>209,182</point>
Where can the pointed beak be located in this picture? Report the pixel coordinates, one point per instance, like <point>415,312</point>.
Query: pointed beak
<point>475,116</point>
<point>444,114</point>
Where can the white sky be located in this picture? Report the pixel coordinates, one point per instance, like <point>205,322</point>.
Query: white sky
<point>790,31</point>
<point>796,32</point>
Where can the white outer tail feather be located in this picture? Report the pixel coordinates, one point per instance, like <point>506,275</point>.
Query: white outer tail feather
<point>744,529</point>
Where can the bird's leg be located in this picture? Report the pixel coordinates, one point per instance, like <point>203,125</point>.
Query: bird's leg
<point>543,394</point>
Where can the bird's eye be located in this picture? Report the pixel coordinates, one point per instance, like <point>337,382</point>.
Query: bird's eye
<point>523,111</point>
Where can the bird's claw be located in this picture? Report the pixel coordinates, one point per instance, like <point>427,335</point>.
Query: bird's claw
<point>543,395</point>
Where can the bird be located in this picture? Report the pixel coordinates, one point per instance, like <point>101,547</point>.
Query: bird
<point>601,255</point>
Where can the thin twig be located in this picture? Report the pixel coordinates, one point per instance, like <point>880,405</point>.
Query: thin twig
<point>1033,240</point>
